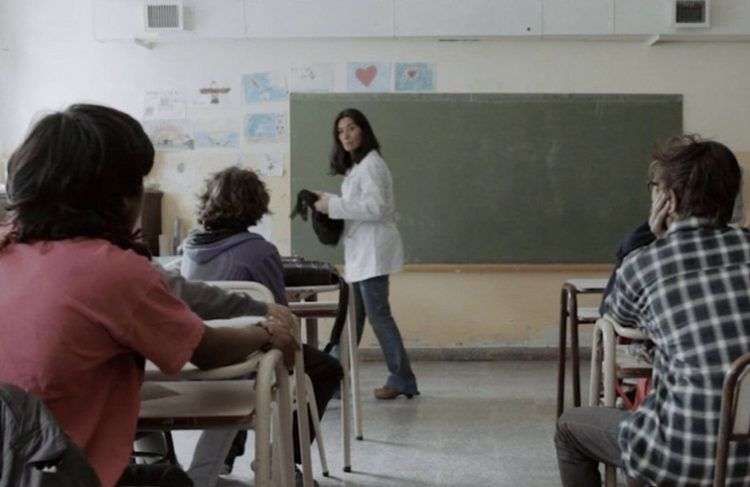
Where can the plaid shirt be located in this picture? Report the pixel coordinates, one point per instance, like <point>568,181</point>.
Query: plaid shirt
<point>690,292</point>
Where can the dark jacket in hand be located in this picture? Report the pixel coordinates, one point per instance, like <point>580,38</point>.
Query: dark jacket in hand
<point>328,230</point>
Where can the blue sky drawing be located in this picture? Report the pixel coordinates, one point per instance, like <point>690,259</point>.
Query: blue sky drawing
<point>415,77</point>
<point>263,87</point>
<point>216,139</point>
<point>265,127</point>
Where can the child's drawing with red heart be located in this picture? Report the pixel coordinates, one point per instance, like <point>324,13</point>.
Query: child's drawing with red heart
<point>367,74</point>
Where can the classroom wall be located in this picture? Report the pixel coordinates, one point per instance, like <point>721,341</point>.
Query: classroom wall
<point>53,61</point>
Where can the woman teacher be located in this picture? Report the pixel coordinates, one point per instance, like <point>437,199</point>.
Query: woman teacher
<point>372,243</point>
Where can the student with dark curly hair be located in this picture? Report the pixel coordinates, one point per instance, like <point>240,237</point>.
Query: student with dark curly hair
<point>224,250</point>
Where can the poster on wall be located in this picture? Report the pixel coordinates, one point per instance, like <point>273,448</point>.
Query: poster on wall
<point>372,77</point>
<point>214,94</point>
<point>267,162</point>
<point>314,78</point>
<point>164,105</point>
<point>264,87</point>
<point>415,77</point>
<point>223,133</point>
<point>171,135</point>
<point>265,127</point>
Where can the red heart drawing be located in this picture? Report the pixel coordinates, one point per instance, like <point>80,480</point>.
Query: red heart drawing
<point>366,75</point>
<point>411,73</point>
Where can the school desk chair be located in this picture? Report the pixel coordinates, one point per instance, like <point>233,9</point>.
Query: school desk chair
<point>349,356</point>
<point>734,421</point>
<point>302,390</point>
<point>571,313</point>
<point>611,363</point>
<point>210,401</point>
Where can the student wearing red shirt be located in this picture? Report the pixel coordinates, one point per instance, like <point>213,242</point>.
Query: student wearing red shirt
<point>81,304</point>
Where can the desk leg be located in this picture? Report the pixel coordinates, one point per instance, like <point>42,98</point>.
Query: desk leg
<point>346,399</point>
<point>354,348</point>
<point>303,419</point>
<point>561,352</point>
<point>574,350</point>
<point>311,326</point>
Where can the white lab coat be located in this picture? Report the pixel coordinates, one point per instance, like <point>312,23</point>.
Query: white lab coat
<point>372,242</point>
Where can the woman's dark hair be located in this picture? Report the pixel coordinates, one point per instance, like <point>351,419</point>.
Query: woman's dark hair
<point>703,174</point>
<point>78,174</point>
<point>234,199</point>
<point>341,161</point>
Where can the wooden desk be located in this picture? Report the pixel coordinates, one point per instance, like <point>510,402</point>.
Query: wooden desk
<point>309,294</point>
<point>570,312</point>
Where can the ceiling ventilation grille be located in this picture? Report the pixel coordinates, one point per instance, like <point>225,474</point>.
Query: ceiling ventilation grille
<point>692,13</point>
<point>163,16</point>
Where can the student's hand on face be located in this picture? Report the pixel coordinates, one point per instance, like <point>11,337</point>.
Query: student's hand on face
<point>658,217</point>
<point>322,204</point>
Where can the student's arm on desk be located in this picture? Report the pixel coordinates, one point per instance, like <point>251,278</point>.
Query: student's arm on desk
<point>212,303</point>
<point>222,346</point>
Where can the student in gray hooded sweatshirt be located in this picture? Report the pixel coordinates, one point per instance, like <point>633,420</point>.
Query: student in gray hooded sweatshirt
<point>225,250</point>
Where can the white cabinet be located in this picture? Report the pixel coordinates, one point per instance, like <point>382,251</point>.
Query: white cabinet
<point>728,17</point>
<point>642,16</point>
<point>216,18</point>
<point>578,17</point>
<point>204,19</point>
<point>467,18</point>
<point>319,18</point>
<point>289,19</point>
<point>118,19</point>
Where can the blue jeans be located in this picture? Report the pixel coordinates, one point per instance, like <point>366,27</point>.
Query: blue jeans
<point>371,301</point>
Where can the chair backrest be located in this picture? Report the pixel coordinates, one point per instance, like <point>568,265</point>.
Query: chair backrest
<point>734,422</point>
<point>255,290</point>
<point>32,442</point>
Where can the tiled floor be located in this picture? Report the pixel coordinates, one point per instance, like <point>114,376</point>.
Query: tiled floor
<point>475,424</point>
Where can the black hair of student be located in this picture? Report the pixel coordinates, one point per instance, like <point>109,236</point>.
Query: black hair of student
<point>341,161</point>
<point>234,199</point>
<point>703,174</point>
<point>79,173</point>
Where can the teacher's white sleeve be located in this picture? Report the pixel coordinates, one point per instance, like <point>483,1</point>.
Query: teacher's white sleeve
<point>371,204</point>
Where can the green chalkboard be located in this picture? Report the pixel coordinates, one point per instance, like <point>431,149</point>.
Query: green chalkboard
<point>496,178</point>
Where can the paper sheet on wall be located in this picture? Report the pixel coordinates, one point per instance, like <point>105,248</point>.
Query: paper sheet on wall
<point>313,78</point>
<point>265,127</point>
<point>221,133</point>
<point>170,134</point>
<point>267,162</point>
<point>215,94</point>
<point>415,77</point>
<point>368,77</point>
<point>164,105</point>
<point>264,87</point>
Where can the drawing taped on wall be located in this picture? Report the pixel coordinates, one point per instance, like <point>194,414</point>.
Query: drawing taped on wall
<point>264,87</point>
